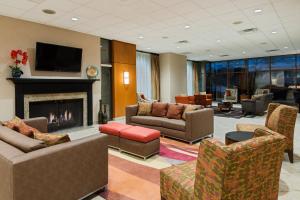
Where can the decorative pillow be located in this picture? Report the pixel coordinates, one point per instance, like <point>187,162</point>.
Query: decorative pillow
<point>228,93</point>
<point>9,125</point>
<point>175,111</point>
<point>144,109</point>
<point>274,118</point>
<point>19,125</point>
<point>256,96</point>
<point>143,96</point>
<point>159,109</point>
<point>189,108</point>
<point>51,139</point>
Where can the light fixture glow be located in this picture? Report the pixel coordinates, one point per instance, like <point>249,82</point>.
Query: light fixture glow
<point>244,52</point>
<point>187,27</point>
<point>211,56</point>
<point>178,47</point>
<point>126,78</point>
<point>75,19</point>
<point>141,37</point>
<point>219,41</point>
<point>286,47</point>
<point>148,48</point>
<point>274,32</point>
<point>258,10</point>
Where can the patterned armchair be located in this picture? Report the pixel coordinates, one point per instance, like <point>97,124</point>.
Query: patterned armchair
<point>280,119</point>
<point>231,95</point>
<point>245,170</point>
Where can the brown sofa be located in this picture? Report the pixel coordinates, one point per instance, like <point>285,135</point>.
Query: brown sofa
<point>198,124</point>
<point>68,171</point>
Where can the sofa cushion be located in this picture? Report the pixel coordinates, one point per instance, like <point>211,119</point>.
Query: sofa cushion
<point>159,109</point>
<point>113,128</point>
<point>176,124</point>
<point>140,134</point>
<point>148,120</point>
<point>144,109</point>
<point>9,151</point>
<point>175,111</point>
<point>52,139</point>
<point>20,141</point>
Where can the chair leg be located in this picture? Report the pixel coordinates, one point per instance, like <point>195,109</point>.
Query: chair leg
<point>291,155</point>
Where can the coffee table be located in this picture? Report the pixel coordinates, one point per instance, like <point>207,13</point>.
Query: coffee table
<point>237,136</point>
<point>225,106</point>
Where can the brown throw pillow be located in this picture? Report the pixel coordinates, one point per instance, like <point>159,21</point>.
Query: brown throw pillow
<point>144,109</point>
<point>159,109</point>
<point>19,125</point>
<point>189,108</point>
<point>175,111</point>
<point>51,139</point>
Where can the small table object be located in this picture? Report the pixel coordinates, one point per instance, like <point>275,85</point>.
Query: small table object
<point>244,97</point>
<point>237,136</point>
<point>225,106</point>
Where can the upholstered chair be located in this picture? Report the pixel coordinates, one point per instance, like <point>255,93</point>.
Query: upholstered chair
<point>281,119</point>
<point>244,171</point>
<point>203,99</point>
<point>257,105</point>
<point>142,98</point>
<point>231,95</point>
<point>185,99</point>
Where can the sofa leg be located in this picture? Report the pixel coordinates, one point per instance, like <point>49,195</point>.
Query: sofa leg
<point>291,155</point>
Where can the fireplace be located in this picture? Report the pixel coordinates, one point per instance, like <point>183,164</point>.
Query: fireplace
<point>61,114</point>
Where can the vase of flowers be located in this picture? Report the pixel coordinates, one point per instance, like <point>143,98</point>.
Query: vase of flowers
<point>20,58</point>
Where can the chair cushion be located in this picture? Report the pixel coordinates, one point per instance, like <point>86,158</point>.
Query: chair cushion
<point>144,109</point>
<point>249,127</point>
<point>159,109</point>
<point>147,120</point>
<point>113,128</point>
<point>274,118</point>
<point>177,182</point>
<point>140,134</point>
<point>175,111</point>
<point>176,124</point>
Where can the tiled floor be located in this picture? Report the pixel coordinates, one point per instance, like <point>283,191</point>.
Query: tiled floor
<point>290,173</point>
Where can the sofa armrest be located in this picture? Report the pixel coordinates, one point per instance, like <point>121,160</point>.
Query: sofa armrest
<point>199,123</point>
<point>65,171</point>
<point>40,123</point>
<point>130,112</point>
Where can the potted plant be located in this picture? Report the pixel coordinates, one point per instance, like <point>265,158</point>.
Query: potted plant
<point>20,58</point>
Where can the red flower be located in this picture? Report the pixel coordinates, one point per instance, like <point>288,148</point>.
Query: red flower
<point>13,54</point>
<point>19,51</point>
<point>17,62</point>
<point>24,60</point>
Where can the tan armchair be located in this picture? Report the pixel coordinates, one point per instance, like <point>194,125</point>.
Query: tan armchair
<point>227,172</point>
<point>280,119</point>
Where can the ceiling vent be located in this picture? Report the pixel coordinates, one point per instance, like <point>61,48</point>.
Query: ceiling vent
<point>248,30</point>
<point>186,53</point>
<point>224,55</point>
<point>272,50</point>
<point>183,42</point>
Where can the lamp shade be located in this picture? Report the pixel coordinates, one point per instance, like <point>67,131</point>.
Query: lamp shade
<point>126,78</point>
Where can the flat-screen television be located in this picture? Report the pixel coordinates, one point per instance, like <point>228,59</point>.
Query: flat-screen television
<point>51,57</point>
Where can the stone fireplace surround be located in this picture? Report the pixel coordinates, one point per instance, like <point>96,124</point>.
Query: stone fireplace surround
<point>35,89</point>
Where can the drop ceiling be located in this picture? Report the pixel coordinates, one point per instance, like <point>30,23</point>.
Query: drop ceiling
<point>158,25</point>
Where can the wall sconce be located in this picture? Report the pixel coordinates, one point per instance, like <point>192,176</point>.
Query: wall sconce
<point>126,78</point>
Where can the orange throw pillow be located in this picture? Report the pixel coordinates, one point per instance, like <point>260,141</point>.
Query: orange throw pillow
<point>19,125</point>
<point>51,138</point>
<point>159,109</point>
<point>175,111</point>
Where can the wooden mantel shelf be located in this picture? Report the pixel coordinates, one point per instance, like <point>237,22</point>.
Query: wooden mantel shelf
<point>52,80</point>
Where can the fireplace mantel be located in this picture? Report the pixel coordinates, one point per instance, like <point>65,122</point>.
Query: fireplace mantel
<point>25,86</point>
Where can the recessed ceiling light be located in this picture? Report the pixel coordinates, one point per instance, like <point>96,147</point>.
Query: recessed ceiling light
<point>211,56</point>
<point>178,47</point>
<point>148,48</point>
<point>286,47</point>
<point>187,27</point>
<point>141,37</point>
<point>218,40</point>
<point>258,10</point>
<point>244,52</point>
<point>49,12</point>
<point>273,32</point>
<point>75,19</point>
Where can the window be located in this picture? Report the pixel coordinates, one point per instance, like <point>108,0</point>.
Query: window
<point>143,74</point>
<point>236,66</point>
<point>219,67</point>
<point>190,78</point>
<point>283,70</point>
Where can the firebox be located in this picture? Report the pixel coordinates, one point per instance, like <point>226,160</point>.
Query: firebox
<point>61,114</point>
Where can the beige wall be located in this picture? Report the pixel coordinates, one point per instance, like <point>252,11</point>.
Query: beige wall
<point>19,34</point>
<point>173,73</point>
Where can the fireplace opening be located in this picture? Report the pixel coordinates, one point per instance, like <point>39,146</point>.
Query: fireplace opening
<point>61,114</point>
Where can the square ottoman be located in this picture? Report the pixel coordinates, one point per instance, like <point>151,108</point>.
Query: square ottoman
<point>140,141</point>
<point>113,131</point>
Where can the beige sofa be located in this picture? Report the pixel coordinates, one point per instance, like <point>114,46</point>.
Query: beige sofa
<point>198,124</point>
<point>31,171</point>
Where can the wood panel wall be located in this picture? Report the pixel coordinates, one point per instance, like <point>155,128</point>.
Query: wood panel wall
<point>123,59</point>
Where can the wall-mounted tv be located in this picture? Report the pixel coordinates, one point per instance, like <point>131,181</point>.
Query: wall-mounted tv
<point>51,57</point>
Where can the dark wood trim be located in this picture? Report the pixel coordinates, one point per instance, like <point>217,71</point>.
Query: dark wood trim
<point>25,86</point>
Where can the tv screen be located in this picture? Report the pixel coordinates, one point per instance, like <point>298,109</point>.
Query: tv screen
<point>50,57</point>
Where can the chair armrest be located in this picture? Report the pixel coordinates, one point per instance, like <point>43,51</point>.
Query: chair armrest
<point>65,171</point>
<point>40,123</point>
<point>130,112</point>
<point>199,123</point>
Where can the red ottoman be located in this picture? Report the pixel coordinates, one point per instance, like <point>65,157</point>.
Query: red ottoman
<point>113,131</point>
<point>140,141</point>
